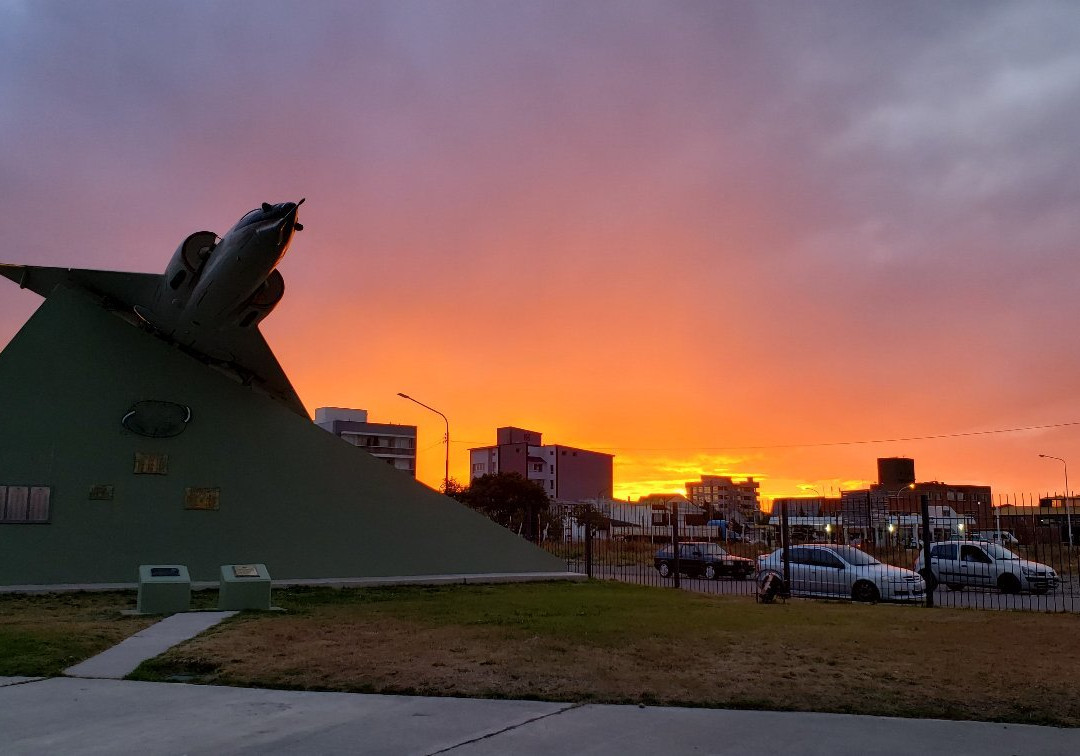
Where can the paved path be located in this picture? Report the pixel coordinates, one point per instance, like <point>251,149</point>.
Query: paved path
<point>122,659</point>
<point>91,716</point>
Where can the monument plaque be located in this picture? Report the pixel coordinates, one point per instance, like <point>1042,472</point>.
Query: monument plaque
<point>101,493</point>
<point>151,463</point>
<point>202,498</point>
<point>244,586</point>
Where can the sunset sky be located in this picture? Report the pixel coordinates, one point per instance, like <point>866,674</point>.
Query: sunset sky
<point>706,237</point>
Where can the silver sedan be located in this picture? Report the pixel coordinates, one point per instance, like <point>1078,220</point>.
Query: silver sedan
<point>842,572</point>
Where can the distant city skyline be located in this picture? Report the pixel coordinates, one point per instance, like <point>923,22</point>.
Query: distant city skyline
<point>706,238</point>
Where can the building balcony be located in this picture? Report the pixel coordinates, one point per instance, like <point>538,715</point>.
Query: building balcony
<point>389,451</point>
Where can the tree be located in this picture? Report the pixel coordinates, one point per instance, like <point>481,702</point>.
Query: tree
<point>509,499</point>
<point>454,490</point>
<point>587,513</point>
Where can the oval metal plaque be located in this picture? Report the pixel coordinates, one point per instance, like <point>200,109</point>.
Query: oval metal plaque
<point>157,419</point>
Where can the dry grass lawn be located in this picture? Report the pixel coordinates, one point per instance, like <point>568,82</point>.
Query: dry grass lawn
<point>40,635</point>
<point>620,643</point>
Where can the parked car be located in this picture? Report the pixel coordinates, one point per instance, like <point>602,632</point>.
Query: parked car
<point>1004,537</point>
<point>703,559</point>
<point>981,564</point>
<point>842,572</point>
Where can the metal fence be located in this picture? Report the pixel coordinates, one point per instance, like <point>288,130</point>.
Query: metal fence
<point>1015,555</point>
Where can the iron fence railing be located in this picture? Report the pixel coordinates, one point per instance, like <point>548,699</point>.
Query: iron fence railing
<point>1013,554</point>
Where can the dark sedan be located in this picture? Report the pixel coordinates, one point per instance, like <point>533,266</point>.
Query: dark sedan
<point>706,560</point>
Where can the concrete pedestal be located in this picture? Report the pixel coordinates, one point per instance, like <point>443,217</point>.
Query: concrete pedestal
<point>163,589</point>
<point>244,586</point>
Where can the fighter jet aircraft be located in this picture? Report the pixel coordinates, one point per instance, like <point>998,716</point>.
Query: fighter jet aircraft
<point>211,297</point>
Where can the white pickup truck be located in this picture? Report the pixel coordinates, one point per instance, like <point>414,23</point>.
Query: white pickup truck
<point>962,564</point>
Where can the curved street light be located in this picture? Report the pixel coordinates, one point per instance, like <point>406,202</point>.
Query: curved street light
<point>446,475</point>
<point>1065,498</point>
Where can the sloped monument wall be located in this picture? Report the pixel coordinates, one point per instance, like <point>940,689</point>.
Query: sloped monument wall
<point>287,493</point>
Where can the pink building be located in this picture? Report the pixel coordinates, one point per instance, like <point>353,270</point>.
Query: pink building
<point>565,472</point>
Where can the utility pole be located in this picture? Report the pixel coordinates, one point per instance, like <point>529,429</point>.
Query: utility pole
<point>446,475</point>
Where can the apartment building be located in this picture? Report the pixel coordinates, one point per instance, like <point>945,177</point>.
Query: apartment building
<point>565,472</point>
<point>723,498</point>
<point>392,443</point>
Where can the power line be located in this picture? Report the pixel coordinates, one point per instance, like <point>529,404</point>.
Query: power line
<point>828,443</point>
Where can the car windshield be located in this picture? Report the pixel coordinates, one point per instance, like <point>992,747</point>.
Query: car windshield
<point>998,552</point>
<point>711,549</point>
<point>854,556</point>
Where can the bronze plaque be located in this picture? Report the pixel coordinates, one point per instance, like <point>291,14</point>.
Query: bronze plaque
<point>245,570</point>
<point>151,463</point>
<point>101,493</point>
<point>202,498</point>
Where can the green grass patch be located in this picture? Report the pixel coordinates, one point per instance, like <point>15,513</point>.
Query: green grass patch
<point>611,642</point>
<point>43,634</point>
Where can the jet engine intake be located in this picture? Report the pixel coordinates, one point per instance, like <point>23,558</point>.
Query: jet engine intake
<point>188,260</point>
<point>265,299</point>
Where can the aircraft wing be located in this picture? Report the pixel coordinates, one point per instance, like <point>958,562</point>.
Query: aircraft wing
<point>124,289</point>
<point>244,350</point>
<point>253,358</point>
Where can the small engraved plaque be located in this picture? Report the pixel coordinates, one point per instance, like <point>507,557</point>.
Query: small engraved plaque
<point>38,507</point>
<point>245,570</point>
<point>202,498</point>
<point>101,493</point>
<point>164,572</point>
<point>18,503</point>
<point>151,463</point>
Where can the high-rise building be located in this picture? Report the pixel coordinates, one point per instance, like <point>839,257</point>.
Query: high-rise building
<point>396,444</point>
<point>724,498</point>
<point>565,472</point>
<point>897,492</point>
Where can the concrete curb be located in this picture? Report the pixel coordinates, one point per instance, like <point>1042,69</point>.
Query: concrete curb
<point>344,582</point>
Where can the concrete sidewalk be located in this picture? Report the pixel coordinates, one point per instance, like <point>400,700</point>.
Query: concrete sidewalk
<point>101,716</point>
<point>122,659</point>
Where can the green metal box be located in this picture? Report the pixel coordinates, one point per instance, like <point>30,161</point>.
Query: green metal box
<point>244,586</point>
<point>163,589</point>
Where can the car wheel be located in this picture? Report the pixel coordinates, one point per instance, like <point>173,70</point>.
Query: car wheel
<point>928,578</point>
<point>709,572</point>
<point>954,586</point>
<point>1009,583</point>
<point>664,569</point>
<point>865,591</point>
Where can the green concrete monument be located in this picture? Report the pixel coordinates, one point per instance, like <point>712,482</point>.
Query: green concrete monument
<point>140,427</point>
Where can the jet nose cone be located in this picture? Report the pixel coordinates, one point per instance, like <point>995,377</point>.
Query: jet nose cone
<point>294,207</point>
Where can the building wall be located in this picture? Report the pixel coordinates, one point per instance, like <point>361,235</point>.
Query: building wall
<point>564,472</point>
<point>581,474</point>
<point>895,472</point>
<point>392,443</point>
<point>725,497</point>
<point>291,496</point>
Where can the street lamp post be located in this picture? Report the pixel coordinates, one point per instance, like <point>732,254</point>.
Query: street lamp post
<point>1065,498</point>
<point>446,475</point>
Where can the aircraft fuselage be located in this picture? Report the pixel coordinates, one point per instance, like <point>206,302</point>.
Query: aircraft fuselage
<point>211,289</point>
